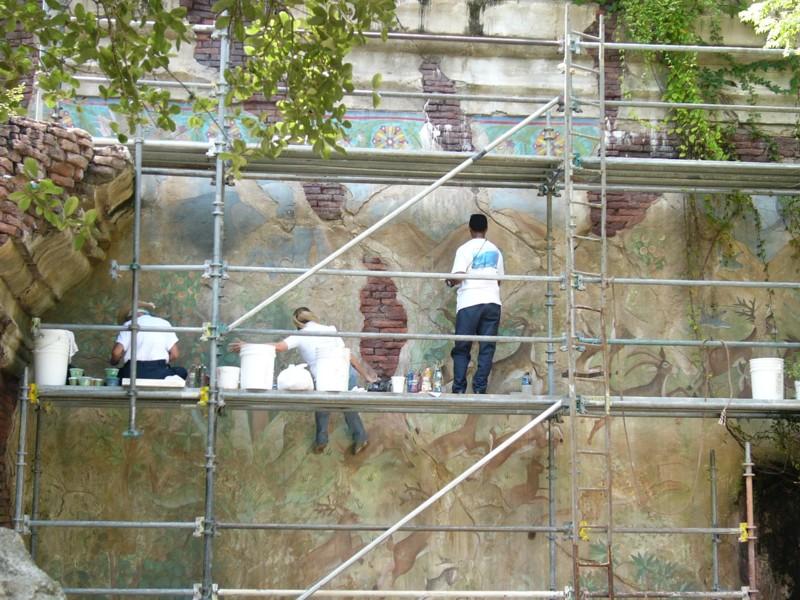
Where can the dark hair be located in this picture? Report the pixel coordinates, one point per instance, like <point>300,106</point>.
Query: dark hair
<point>478,222</point>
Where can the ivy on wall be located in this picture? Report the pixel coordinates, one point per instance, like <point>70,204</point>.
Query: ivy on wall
<point>700,134</point>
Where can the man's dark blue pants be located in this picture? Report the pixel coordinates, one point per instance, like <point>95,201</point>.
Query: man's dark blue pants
<point>480,319</point>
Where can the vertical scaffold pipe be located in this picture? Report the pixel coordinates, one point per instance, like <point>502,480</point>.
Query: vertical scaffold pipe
<point>397,211</point>
<point>132,432</point>
<point>21,446</point>
<point>209,528</point>
<point>550,353</point>
<point>715,540</point>
<point>569,268</point>
<point>752,580</point>
<point>37,479</point>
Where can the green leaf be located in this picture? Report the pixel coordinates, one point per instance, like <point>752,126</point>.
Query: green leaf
<point>71,205</point>
<point>30,168</point>
<point>377,79</point>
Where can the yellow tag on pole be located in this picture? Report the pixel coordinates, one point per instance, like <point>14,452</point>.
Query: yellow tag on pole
<point>33,394</point>
<point>583,533</point>
<point>744,534</point>
<point>203,396</point>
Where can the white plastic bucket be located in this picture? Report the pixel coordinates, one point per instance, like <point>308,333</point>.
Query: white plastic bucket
<point>766,378</point>
<point>51,356</point>
<point>228,378</point>
<point>333,369</point>
<point>258,366</point>
<point>398,384</point>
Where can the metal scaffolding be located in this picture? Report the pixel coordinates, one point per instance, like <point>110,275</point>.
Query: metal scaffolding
<point>556,176</point>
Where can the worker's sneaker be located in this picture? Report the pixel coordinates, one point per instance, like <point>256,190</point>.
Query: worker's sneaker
<point>359,446</point>
<point>319,448</point>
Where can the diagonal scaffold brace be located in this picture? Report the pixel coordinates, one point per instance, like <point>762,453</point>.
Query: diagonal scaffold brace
<point>552,410</point>
<point>397,211</point>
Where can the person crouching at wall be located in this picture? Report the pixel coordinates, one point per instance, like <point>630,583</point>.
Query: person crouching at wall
<point>156,351</point>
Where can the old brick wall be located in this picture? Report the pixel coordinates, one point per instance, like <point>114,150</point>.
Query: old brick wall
<point>446,116</point>
<point>325,199</point>
<point>383,313</point>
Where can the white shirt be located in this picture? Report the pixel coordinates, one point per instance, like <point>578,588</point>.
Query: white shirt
<point>150,345</point>
<point>308,344</point>
<point>482,257</point>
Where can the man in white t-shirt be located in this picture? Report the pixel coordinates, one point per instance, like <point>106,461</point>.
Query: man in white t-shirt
<point>155,350</point>
<point>477,304</point>
<point>308,345</point>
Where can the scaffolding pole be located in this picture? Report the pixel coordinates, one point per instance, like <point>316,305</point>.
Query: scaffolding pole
<point>132,432</point>
<point>434,498</point>
<point>19,489</point>
<point>216,274</point>
<point>37,477</point>
<point>388,218</point>
<point>569,297</point>
<point>715,539</point>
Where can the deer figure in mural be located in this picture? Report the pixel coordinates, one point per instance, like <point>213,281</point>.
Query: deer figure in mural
<point>656,387</point>
<point>719,360</point>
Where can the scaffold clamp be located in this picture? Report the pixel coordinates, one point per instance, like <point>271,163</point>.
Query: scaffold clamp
<point>214,591</point>
<point>569,593</point>
<point>209,331</point>
<point>580,405</point>
<point>33,394</point>
<point>578,282</point>
<point>577,160</point>
<point>25,528</point>
<point>203,399</point>
<point>744,532</point>
<point>114,271</point>
<point>197,591</point>
<point>199,527</point>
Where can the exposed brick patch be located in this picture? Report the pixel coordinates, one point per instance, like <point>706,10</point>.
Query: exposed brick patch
<point>19,38</point>
<point>754,149</point>
<point>206,50</point>
<point>62,154</point>
<point>326,199</point>
<point>446,116</point>
<point>383,313</point>
<point>9,388</point>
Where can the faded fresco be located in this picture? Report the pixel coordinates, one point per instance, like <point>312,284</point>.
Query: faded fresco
<point>266,472</point>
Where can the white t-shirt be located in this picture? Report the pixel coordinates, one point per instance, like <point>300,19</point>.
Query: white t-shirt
<point>150,345</point>
<point>482,257</point>
<point>308,344</point>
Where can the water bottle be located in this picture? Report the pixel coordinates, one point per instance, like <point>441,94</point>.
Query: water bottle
<point>437,379</point>
<point>410,382</point>
<point>527,383</point>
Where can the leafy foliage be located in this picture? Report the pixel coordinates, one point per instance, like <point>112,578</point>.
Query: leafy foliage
<point>778,19</point>
<point>49,202</point>
<point>299,44</point>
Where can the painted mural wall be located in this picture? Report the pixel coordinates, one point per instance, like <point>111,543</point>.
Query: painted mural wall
<point>266,470</point>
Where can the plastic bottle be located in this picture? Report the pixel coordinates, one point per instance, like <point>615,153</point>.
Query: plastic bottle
<point>410,382</point>
<point>437,379</point>
<point>527,383</point>
<point>425,385</point>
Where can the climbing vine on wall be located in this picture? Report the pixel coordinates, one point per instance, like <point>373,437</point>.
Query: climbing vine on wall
<point>704,134</point>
